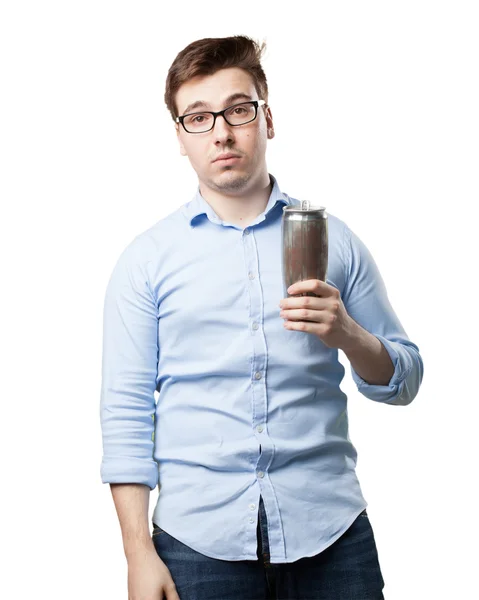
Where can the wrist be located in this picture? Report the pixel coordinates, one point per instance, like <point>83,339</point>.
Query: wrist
<point>138,550</point>
<point>354,337</point>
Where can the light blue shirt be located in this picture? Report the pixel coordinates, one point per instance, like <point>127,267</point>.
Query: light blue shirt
<point>244,406</point>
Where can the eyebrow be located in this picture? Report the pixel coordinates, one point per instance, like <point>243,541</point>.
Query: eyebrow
<point>229,99</point>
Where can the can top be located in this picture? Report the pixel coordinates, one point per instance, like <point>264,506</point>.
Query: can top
<point>304,207</point>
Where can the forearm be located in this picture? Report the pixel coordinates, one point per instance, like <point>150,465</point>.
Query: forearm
<point>131,503</point>
<point>368,357</point>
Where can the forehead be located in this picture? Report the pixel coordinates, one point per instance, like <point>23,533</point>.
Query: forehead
<point>214,91</point>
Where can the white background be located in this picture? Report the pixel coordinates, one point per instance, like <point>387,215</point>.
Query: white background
<point>375,107</point>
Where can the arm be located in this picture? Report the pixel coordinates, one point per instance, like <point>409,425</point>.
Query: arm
<point>368,357</point>
<point>148,576</point>
<point>366,301</point>
<point>129,372</point>
<point>131,503</point>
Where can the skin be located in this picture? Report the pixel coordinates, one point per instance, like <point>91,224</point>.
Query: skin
<point>238,192</point>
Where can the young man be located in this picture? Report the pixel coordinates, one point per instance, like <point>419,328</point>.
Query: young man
<point>248,442</point>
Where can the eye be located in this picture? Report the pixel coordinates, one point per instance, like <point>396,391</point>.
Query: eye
<point>196,119</point>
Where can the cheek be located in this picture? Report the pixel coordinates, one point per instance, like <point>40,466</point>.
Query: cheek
<point>198,156</point>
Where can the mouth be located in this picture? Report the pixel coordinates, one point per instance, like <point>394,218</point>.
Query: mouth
<point>228,158</point>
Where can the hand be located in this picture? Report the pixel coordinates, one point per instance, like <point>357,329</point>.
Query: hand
<point>324,316</point>
<point>149,578</point>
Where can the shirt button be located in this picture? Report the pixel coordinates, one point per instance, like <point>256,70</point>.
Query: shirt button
<point>252,506</point>
<point>259,429</point>
<point>255,326</point>
<point>246,231</point>
<point>251,275</point>
<point>261,474</point>
<point>257,375</point>
<point>251,520</point>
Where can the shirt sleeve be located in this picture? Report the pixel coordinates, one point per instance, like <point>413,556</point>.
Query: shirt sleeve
<point>129,372</point>
<point>366,301</point>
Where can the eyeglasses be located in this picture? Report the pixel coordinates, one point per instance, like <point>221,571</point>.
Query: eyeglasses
<point>238,114</point>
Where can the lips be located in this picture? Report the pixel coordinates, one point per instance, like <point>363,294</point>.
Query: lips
<point>226,156</point>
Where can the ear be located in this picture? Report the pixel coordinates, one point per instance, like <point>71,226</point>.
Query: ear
<point>269,123</point>
<point>178,135</point>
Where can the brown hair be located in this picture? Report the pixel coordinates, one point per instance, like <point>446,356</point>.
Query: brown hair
<point>206,56</point>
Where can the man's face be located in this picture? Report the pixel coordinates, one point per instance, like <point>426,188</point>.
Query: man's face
<point>248,140</point>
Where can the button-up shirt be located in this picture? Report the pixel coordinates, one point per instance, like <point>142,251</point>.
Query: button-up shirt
<point>208,397</point>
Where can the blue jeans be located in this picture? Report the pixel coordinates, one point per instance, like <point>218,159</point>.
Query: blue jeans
<point>347,570</point>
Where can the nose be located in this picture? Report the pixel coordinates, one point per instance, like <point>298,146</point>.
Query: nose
<point>222,131</point>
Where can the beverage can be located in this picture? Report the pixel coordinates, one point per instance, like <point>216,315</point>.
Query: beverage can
<point>305,245</point>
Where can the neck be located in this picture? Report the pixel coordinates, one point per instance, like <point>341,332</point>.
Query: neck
<point>240,207</point>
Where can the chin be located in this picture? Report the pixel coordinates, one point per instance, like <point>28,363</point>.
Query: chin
<point>231,179</point>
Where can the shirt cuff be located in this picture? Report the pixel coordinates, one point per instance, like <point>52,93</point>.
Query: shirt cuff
<point>129,470</point>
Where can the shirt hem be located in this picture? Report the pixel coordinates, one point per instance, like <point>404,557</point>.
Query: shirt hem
<point>210,554</point>
<point>342,531</point>
<point>274,559</point>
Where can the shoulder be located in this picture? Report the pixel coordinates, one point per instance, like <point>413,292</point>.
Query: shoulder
<point>149,243</point>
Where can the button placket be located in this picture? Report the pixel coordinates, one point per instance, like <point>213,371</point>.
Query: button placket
<point>258,362</point>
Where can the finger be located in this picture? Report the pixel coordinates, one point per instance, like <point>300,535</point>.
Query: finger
<point>301,326</point>
<point>302,315</point>
<point>171,593</point>
<point>317,286</point>
<point>305,302</point>
<point>308,285</point>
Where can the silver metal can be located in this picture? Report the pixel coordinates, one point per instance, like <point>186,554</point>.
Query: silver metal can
<point>305,245</point>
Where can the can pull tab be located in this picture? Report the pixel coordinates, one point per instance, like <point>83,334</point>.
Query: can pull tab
<point>305,205</point>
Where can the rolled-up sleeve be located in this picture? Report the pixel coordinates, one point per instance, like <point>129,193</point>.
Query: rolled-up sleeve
<point>366,301</point>
<point>129,372</point>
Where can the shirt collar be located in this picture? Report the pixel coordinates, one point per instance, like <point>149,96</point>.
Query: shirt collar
<point>198,205</point>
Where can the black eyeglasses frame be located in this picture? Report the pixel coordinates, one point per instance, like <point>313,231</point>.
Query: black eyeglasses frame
<point>255,103</point>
